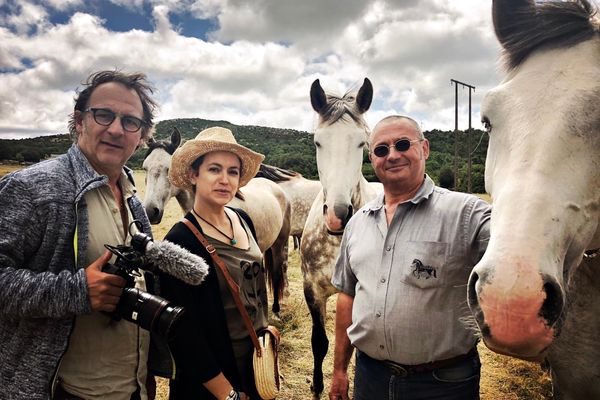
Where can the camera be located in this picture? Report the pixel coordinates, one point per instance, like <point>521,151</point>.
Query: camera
<point>150,312</point>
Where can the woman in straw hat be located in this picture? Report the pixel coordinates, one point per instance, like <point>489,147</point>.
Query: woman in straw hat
<point>213,350</point>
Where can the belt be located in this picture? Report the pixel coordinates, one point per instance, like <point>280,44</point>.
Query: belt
<point>402,370</point>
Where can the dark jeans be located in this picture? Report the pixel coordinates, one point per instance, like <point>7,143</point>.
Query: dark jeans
<point>374,380</point>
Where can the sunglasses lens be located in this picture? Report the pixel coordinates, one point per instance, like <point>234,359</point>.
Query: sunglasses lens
<point>402,145</point>
<point>381,151</point>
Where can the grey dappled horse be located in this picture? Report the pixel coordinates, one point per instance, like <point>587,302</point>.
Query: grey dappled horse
<point>340,139</point>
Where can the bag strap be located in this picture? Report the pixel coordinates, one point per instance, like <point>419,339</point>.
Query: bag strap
<point>233,286</point>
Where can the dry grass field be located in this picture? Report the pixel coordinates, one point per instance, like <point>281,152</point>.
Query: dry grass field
<point>503,378</point>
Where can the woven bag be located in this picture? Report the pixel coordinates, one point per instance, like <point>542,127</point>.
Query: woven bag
<point>266,363</point>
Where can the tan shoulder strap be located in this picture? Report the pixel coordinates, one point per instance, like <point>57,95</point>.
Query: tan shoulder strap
<point>233,286</point>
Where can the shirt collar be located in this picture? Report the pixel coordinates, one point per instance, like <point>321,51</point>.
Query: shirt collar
<point>422,194</point>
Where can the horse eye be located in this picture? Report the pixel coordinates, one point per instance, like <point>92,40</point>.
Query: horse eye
<point>317,144</point>
<point>486,124</point>
<point>361,145</point>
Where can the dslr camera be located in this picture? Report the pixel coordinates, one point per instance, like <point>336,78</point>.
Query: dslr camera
<point>150,312</point>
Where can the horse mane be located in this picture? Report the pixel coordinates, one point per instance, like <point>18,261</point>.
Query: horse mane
<point>275,174</point>
<point>160,144</point>
<point>554,24</point>
<point>339,107</point>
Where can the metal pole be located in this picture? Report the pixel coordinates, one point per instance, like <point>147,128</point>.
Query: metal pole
<point>456,83</point>
<point>455,136</point>
<point>469,185</point>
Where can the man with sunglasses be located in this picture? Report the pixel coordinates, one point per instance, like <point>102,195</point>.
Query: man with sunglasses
<point>404,263</point>
<point>58,340</point>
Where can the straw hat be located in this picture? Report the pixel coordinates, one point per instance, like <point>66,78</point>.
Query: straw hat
<point>209,140</point>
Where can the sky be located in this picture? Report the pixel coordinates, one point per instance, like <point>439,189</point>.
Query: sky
<point>249,62</point>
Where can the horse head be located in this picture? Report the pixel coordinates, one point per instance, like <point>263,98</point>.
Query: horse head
<point>158,187</point>
<point>340,138</point>
<point>542,170</point>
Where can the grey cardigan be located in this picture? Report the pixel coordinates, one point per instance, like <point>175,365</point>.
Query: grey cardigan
<point>41,288</point>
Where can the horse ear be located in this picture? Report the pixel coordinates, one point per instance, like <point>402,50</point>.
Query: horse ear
<point>175,138</point>
<point>509,16</point>
<point>318,99</point>
<point>364,96</point>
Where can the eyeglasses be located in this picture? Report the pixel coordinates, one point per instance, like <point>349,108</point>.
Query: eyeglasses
<point>400,145</point>
<point>105,117</point>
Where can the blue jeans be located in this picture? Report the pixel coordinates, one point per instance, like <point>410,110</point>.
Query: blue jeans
<point>375,381</point>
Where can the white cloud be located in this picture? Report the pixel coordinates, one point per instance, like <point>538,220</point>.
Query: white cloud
<point>260,61</point>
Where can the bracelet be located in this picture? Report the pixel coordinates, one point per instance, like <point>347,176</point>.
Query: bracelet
<point>233,395</point>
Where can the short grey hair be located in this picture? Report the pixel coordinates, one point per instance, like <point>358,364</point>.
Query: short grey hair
<point>396,118</point>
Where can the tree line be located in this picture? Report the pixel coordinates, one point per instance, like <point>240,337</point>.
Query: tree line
<point>284,148</point>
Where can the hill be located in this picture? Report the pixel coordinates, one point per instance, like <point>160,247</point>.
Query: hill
<point>285,148</point>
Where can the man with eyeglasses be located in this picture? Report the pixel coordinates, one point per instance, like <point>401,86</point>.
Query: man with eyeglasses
<point>58,340</point>
<point>402,271</point>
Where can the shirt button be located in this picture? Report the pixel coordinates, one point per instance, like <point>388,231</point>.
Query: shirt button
<point>388,248</point>
<point>381,346</point>
<point>382,280</point>
<point>378,314</point>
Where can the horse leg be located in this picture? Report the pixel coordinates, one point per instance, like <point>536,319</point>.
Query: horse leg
<point>279,260</point>
<point>319,341</point>
<point>276,266</point>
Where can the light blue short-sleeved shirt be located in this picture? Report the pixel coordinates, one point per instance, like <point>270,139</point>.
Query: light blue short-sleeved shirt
<point>409,280</point>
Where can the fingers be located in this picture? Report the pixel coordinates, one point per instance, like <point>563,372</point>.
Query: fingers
<point>104,289</point>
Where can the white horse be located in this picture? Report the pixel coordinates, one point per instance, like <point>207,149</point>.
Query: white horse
<point>340,139</point>
<point>300,191</point>
<point>536,292</point>
<point>264,201</point>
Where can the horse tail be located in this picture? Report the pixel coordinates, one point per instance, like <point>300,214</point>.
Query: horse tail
<point>275,174</point>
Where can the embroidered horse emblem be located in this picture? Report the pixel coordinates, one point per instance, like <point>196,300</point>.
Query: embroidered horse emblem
<point>420,270</point>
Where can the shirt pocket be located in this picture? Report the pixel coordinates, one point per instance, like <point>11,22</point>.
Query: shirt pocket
<point>424,264</point>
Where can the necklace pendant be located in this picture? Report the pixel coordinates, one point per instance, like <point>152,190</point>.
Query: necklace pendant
<point>233,242</point>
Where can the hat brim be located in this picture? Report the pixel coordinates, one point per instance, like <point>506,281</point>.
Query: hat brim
<point>185,155</point>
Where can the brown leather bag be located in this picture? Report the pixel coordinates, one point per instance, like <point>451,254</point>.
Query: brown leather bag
<point>265,359</point>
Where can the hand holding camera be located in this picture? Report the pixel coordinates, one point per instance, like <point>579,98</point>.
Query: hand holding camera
<point>104,289</point>
<point>112,288</point>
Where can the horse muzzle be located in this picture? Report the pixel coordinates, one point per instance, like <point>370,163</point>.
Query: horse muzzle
<point>517,309</point>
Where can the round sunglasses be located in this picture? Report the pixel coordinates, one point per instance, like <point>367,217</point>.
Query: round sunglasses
<point>400,145</point>
<point>105,117</point>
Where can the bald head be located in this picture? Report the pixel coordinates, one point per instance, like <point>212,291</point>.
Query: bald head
<point>397,120</point>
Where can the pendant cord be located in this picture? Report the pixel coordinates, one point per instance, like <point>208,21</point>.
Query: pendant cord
<point>232,240</point>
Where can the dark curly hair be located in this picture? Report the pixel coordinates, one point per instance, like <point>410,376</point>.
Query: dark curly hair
<point>136,81</point>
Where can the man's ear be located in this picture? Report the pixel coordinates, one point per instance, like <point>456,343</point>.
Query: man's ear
<point>425,149</point>
<point>78,118</point>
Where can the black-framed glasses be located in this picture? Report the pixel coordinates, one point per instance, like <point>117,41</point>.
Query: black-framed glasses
<point>105,117</point>
<point>400,145</point>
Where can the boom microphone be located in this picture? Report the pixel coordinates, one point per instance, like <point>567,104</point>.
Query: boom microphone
<point>170,258</point>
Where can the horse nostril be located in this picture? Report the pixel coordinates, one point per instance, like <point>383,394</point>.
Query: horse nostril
<point>553,304</point>
<point>472,293</point>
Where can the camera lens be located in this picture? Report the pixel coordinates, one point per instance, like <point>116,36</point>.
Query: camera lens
<point>149,311</point>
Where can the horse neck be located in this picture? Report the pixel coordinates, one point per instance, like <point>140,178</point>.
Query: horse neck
<point>185,198</point>
<point>360,194</point>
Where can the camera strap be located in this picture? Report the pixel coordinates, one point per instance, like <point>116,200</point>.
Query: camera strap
<point>233,286</point>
